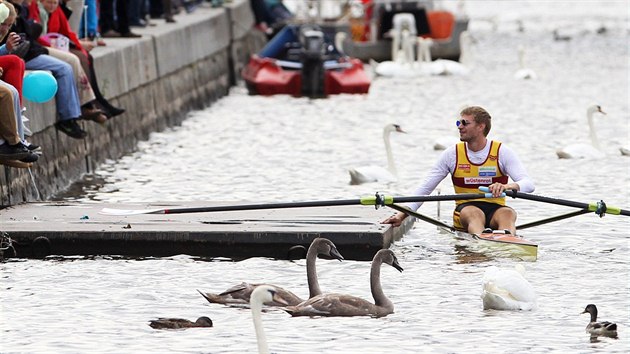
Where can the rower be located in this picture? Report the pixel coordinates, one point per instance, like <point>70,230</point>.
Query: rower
<point>476,162</point>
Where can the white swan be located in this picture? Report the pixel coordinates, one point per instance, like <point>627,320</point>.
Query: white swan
<point>262,295</point>
<point>426,66</point>
<point>507,289</point>
<point>583,150</point>
<point>625,150</point>
<point>240,294</point>
<point>348,305</point>
<point>524,73</point>
<point>444,142</point>
<point>366,174</point>
<point>402,62</point>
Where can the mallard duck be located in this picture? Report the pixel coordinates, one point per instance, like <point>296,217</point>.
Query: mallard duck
<point>263,294</point>
<point>178,323</point>
<point>595,328</point>
<point>240,294</point>
<point>347,305</point>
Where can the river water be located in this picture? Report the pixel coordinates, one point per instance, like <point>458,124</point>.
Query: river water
<point>249,148</point>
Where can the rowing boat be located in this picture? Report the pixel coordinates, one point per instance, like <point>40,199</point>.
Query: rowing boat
<point>498,243</point>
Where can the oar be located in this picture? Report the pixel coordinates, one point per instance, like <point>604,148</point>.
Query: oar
<point>422,217</point>
<point>600,208</point>
<point>377,200</point>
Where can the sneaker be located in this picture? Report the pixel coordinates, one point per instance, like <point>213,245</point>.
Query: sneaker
<point>71,128</point>
<point>487,230</point>
<point>507,232</point>
<point>32,157</point>
<point>32,147</point>
<point>13,152</point>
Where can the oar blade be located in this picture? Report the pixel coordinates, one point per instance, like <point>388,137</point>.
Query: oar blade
<point>127,212</point>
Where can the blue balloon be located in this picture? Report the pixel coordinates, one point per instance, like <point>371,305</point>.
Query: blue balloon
<point>39,86</point>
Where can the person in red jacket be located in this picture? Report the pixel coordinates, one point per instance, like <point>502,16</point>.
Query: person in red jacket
<point>49,14</point>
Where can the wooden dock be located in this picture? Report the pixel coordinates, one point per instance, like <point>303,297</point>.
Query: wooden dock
<point>38,230</point>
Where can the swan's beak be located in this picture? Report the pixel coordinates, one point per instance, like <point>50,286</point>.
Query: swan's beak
<point>600,110</point>
<point>279,299</point>
<point>335,254</point>
<point>397,266</point>
<point>399,129</point>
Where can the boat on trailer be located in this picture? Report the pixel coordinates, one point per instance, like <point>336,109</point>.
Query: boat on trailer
<point>302,60</point>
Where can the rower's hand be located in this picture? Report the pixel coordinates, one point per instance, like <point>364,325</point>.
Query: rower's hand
<point>497,189</point>
<point>395,220</point>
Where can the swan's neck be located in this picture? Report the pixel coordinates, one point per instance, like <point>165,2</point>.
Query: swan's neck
<point>311,272</point>
<point>591,131</point>
<point>391,166</point>
<point>395,45</point>
<point>521,58</point>
<point>375,284</point>
<point>260,332</point>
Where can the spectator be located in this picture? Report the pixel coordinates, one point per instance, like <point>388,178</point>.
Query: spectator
<point>120,27</point>
<point>57,23</point>
<point>37,58</point>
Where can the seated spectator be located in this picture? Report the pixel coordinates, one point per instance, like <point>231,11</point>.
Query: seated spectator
<point>12,72</point>
<point>53,20</point>
<point>11,146</point>
<point>37,58</point>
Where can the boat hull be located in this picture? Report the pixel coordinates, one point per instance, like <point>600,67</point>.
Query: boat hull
<point>266,76</point>
<point>500,245</point>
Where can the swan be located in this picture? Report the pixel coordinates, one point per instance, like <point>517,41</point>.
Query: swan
<point>507,289</point>
<point>263,294</point>
<point>444,142</point>
<point>179,323</point>
<point>605,328</point>
<point>240,294</point>
<point>366,174</point>
<point>402,63</point>
<point>625,150</point>
<point>348,305</point>
<point>524,73</point>
<point>443,67</point>
<point>582,150</point>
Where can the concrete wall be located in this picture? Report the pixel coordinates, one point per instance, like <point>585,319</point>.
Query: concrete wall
<point>171,70</point>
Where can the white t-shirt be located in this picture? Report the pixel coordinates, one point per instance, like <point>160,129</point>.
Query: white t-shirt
<point>509,163</point>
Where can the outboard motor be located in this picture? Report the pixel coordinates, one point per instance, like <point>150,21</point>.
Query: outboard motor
<point>313,53</point>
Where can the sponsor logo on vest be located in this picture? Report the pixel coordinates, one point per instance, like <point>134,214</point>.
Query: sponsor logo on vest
<point>492,157</point>
<point>464,166</point>
<point>478,180</point>
<point>490,171</point>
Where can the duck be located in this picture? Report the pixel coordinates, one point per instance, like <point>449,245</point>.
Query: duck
<point>335,305</point>
<point>605,328</point>
<point>180,323</point>
<point>507,289</point>
<point>263,294</point>
<point>524,73</point>
<point>584,150</point>
<point>371,173</point>
<point>240,294</point>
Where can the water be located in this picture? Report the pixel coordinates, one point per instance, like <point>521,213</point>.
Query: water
<point>248,148</point>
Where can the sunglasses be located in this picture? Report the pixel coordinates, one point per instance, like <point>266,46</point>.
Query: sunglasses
<point>463,122</point>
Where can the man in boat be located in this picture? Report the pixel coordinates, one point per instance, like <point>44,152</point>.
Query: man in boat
<point>472,163</point>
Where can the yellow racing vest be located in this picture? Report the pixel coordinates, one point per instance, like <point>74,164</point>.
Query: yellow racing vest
<point>468,177</point>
